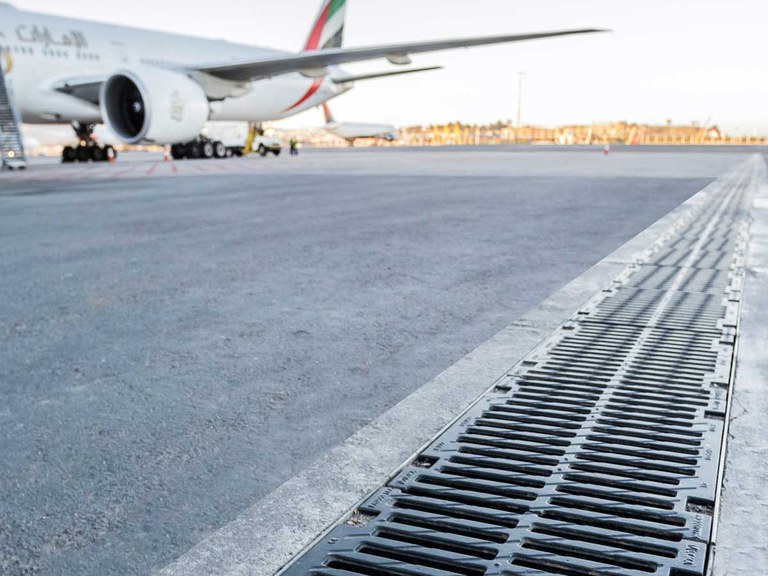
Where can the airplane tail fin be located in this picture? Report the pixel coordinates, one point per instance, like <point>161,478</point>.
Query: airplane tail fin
<point>328,116</point>
<point>328,29</point>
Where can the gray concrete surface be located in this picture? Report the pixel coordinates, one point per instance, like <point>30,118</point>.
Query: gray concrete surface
<point>173,349</point>
<point>267,536</point>
<point>741,547</point>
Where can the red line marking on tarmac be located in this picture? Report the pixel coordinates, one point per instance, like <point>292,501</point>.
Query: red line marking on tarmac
<point>151,170</point>
<point>200,169</point>
<point>174,169</point>
<point>123,172</point>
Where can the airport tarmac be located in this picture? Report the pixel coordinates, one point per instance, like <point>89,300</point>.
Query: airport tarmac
<point>181,338</point>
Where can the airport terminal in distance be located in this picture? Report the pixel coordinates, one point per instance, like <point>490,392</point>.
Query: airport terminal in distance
<point>445,350</point>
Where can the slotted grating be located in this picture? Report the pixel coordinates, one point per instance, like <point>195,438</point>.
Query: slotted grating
<point>597,455</point>
<point>696,280</point>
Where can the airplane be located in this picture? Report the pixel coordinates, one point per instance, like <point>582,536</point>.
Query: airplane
<point>161,88</point>
<point>350,131</point>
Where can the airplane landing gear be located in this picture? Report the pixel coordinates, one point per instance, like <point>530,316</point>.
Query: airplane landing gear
<point>87,150</point>
<point>203,148</point>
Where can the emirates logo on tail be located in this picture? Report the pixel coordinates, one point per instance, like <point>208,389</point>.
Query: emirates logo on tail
<point>328,30</point>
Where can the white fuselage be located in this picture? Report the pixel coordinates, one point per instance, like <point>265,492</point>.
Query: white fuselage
<point>41,51</point>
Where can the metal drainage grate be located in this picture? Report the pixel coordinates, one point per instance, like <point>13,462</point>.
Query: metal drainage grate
<point>597,455</point>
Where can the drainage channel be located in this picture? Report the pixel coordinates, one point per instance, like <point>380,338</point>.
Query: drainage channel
<point>599,454</point>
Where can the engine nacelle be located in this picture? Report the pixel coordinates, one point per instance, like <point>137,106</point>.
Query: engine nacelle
<point>153,105</point>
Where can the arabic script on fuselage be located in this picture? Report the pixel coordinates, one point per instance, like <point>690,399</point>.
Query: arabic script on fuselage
<point>42,35</point>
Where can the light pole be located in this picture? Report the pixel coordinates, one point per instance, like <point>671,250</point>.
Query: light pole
<point>520,78</point>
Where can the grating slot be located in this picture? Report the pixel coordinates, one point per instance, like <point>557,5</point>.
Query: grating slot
<point>360,566</point>
<point>540,418</point>
<point>639,381</point>
<point>554,567</point>
<point>552,398</point>
<point>509,435</point>
<point>550,390</point>
<point>534,416</point>
<point>634,416</point>
<point>607,523</point>
<point>652,453</point>
<point>633,433</point>
<point>462,497</point>
<point>479,438</point>
<point>621,511</point>
<point>440,524</point>
<point>626,473</point>
<point>620,423</point>
<point>432,541</point>
<point>551,431</point>
<point>407,555</point>
<point>461,512</point>
<point>700,399</point>
<point>500,464</point>
<point>665,371</point>
<point>620,484</point>
<point>593,537</point>
<point>521,457</point>
<point>562,384</point>
<point>551,406</point>
<point>485,486</point>
<point>638,462</point>
<point>624,442</point>
<point>658,406</point>
<point>625,497</point>
<point>546,412</point>
<point>585,554</point>
<point>482,473</point>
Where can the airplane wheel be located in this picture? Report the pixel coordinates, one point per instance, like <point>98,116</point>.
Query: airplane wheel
<point>219,150</point>
<point>193,150</point>
<point>110,154</point>
<point>97,154</point>
<point>177,152</point>
<point>276,152</point>
<point>207,151</point>
<point>68,155</point>
<point>83,154</point>
<point>262,150</point>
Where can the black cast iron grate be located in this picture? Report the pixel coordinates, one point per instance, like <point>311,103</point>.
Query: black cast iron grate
<point>595,456</point>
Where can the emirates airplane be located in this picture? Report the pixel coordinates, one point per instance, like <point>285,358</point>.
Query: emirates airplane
<point>154,87</point>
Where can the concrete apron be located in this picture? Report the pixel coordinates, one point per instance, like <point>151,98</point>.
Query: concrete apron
<point>269,534</point>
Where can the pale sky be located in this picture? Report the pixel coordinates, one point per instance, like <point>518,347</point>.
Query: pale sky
<point>684,60</point>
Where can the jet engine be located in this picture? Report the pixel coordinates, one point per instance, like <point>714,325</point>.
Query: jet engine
<point>153,105</point>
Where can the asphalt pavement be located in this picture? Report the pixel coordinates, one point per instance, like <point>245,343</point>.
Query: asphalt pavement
<point>173,348</point>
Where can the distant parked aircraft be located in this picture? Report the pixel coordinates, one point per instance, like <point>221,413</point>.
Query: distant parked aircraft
<point>352,131</point>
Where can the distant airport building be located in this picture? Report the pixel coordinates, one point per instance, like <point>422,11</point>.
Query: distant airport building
<point>459,134</point>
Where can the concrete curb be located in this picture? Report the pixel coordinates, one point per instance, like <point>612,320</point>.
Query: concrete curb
<point>741,545</point>
<point>269,534</point>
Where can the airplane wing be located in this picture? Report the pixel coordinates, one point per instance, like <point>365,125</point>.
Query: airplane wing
<point>313,63</point>
<point>374,75</point>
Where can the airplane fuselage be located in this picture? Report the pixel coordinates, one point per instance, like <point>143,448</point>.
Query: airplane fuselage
<point>39,51</point>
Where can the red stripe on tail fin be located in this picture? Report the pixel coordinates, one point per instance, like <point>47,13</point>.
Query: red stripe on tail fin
<point>313,42</point>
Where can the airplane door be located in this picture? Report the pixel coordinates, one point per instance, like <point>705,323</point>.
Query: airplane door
<point>122,54</point>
